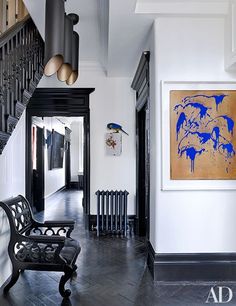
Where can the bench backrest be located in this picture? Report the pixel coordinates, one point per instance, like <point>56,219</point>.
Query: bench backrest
<point>19,213</point>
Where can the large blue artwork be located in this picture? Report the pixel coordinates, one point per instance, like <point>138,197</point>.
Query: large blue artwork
<point>202,134</point>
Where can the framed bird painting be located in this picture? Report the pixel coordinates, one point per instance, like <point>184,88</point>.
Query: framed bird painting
<point>202,134</point>
<point>199,135</point>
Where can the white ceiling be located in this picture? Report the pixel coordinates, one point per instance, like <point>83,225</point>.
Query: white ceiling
<point>88,27</point>
<point>197,1</point>
<point>127,36</point>
<point>110,33</point>
<point>113,32</point>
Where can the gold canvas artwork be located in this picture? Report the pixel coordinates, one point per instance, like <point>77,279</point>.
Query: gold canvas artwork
<point>202,134</point>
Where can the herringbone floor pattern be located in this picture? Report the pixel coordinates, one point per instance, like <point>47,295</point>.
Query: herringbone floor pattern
<point>111,271</point>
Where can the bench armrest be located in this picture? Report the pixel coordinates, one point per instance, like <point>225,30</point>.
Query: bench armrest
<point>39,249</point>
<point>61,222</point>
<point>49,228</point>
<point>44,239</point>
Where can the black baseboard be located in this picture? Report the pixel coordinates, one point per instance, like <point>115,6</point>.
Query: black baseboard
<point>136,225</point>
<point>93,221</point>
<point>74,185</point>
<point>191,267</point>
<point>86,221</point>
<point>140,227</point>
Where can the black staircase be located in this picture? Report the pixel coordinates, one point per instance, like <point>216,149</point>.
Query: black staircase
<point>21,68</point>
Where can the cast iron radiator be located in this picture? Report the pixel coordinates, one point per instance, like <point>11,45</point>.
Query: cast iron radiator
<point>112,212</point>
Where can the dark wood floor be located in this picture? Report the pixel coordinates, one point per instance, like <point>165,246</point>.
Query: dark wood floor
<point>111,271</point>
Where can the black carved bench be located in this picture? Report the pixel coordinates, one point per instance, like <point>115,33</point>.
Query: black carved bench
<point>39,246</point>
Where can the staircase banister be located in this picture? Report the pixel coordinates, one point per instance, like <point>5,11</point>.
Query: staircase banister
<point>12,31</point>
<point>21,68</point>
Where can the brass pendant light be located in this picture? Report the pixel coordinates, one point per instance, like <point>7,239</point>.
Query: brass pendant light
<point>54,38</point>
<point>61,42</point>
<point>75,59</point>
<point>65,70</point>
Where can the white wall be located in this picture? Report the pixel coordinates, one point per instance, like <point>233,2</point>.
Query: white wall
<point>76,149</point>
<point>154,139</point>
<point>187,49</point>
<point>81,146</point>
<point>112,101</point>
<point>12,183</point>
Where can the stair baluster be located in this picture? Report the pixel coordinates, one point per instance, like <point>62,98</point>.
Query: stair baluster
<point>21,68</point>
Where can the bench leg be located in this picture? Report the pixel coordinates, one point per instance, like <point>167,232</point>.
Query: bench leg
<point>14,278</point>
<point>74,270</point>
<point>74,273</point>
<point>64,279</point>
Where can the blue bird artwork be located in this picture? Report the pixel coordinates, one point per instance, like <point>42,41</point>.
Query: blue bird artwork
<point>203,144</point>
<point>116,127</point>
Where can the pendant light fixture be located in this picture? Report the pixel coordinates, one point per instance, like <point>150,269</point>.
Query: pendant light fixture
<point>54,36</point>
<point>75,52</point>
<point>61,42</point>
<point>75,59</point>
<point>66,69</point>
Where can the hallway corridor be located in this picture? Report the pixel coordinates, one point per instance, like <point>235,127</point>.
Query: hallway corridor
<point>111,271</point>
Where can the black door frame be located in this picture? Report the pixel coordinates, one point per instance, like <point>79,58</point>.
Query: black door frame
<point>67,158</point>
<point>143,170</point>
<point>67,102</point>
<point>141,85</point>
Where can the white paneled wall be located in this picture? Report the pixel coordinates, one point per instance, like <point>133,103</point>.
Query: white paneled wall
<point>187,49</point>
<point>76,148</point>
<point>12,183</point>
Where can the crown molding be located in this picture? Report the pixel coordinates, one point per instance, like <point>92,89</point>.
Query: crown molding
<point>95,66</point>
<point>193,8</point>
<point>103,19</point>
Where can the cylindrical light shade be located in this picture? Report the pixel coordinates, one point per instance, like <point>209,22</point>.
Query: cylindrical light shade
<point>66,69</point>
<point>54,36</point>
<point>75,59</point>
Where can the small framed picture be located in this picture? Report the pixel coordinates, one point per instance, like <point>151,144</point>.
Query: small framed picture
<point>113,142</point>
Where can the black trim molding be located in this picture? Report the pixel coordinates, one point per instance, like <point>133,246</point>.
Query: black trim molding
<point>74,185</point>
<point>139,74</point>
<point>141,81</point>
<point>191,267</point>
<point>67,102</point>
<point>141,85</point>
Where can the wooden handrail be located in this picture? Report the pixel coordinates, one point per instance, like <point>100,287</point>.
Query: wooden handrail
<point>11,12</point>
<point>17,27</point>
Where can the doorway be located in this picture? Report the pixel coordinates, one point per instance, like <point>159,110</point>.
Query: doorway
<point>58,151</point>
<point>141,85</point>
<point>57,103</point>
